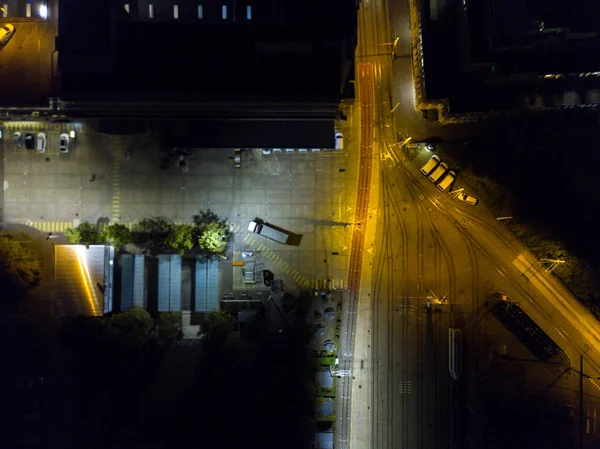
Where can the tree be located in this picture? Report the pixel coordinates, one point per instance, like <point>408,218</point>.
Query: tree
<point>216,325</point>
<point>116,234</point>
<point>181,238</point>
<point>169,327</point>
<point>151,234</point>
<point>84,234</point>
<point>214,238</point>
<point>130,329</point>
<point>205,217</point>
<point>20,268</point>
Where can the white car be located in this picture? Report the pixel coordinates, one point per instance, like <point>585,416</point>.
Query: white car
<point>41,142</point>
<point>18,139</point>
<point>339,141</point>
<point>65,143</point>
<point>468,198</point>
<point>6,32</point>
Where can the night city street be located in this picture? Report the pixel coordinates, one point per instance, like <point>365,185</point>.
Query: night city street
<point>301,224</point>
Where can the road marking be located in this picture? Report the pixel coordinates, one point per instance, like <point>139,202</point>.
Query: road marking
<point>116,201</point>
<point>404,387</point>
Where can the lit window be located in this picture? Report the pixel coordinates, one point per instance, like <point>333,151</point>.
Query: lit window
<point>151,11</point>
<point>249,12</point>
<point>200,12</point>
<point>176,11</point>
<point>224,12</point>
<point>28,10</point>
<point>5,10</point>
<point>126,6</point>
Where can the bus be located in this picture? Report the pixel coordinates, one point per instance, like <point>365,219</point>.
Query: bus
<point>455,352</point>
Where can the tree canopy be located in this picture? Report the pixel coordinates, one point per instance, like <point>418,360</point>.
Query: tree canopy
<point>116,234</point>
<point>181,238</point>
<point>20,268</point>
<point>214,238</point>
<point>84,234</point>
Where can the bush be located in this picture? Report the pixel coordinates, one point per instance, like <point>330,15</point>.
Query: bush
<point>84,234</point>
<point>20,268</point>
<point>116,234</point>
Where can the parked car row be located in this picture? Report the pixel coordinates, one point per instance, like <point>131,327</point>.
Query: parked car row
<point>439,173</point>
<point>338,146</point>
<point>290,150</point>
<point>39,142</point>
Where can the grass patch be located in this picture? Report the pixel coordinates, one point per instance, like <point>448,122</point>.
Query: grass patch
<point>325,392</point>
<point>326,361</point>
<point>410,153</point>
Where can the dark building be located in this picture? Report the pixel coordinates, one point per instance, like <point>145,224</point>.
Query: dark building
<point>512,54</point>
<point>272,71</point>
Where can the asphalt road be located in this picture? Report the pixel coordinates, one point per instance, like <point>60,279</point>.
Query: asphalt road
<point>27,62</point>
<point>429,243</point>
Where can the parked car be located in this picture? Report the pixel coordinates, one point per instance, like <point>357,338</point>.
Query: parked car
<point>430,165</point>
<point>276,150</point>
<point>339,141</point>
<point>41,142</point>
<point>289,150</point>
<point>315,150</point>
<point>438,172</point>
<point>6,32</point>
<point>65,143</point>
<point>266,151</point>
<point>30,141</point>
<point>468,199</point>
<point>302,150</point>
<point>18,139</point>
<point>447,181</point>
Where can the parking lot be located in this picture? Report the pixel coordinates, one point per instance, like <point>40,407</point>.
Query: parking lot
<point>127,178</point>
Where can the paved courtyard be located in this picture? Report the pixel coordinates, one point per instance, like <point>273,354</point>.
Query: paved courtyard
<point>125,178</point>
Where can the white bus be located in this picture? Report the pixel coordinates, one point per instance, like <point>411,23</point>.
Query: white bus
<point>455,352</point>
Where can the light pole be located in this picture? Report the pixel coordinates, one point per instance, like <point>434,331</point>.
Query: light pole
<point>394,46</point>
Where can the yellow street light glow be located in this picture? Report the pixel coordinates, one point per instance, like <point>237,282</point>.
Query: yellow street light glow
<point>85,276</point>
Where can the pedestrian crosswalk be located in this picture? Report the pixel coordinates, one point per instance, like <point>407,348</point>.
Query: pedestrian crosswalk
<point>116,201</point>
<point>404,387</point>
<point>49,226</point>
<point>315,284</point>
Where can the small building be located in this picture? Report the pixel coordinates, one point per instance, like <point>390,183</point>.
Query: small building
<point>207,277</point>
<point>84,279</point>
<point>132,281</point>
<point>169,283</point>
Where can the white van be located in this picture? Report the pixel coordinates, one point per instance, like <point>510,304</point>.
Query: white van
<point>438,172</point>
<point>430,165</point>
<point>447,181</point>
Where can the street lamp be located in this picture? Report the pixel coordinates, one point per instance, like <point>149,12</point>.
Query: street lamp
<point>44,11</point>
<point>394,46</point>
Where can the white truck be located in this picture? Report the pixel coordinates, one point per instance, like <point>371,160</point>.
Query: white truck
<point>269,231</point>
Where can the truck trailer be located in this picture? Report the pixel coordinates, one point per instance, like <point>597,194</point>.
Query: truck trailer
<point>269,231</point>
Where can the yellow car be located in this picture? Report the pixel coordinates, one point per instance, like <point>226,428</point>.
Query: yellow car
<point>6,32</point>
